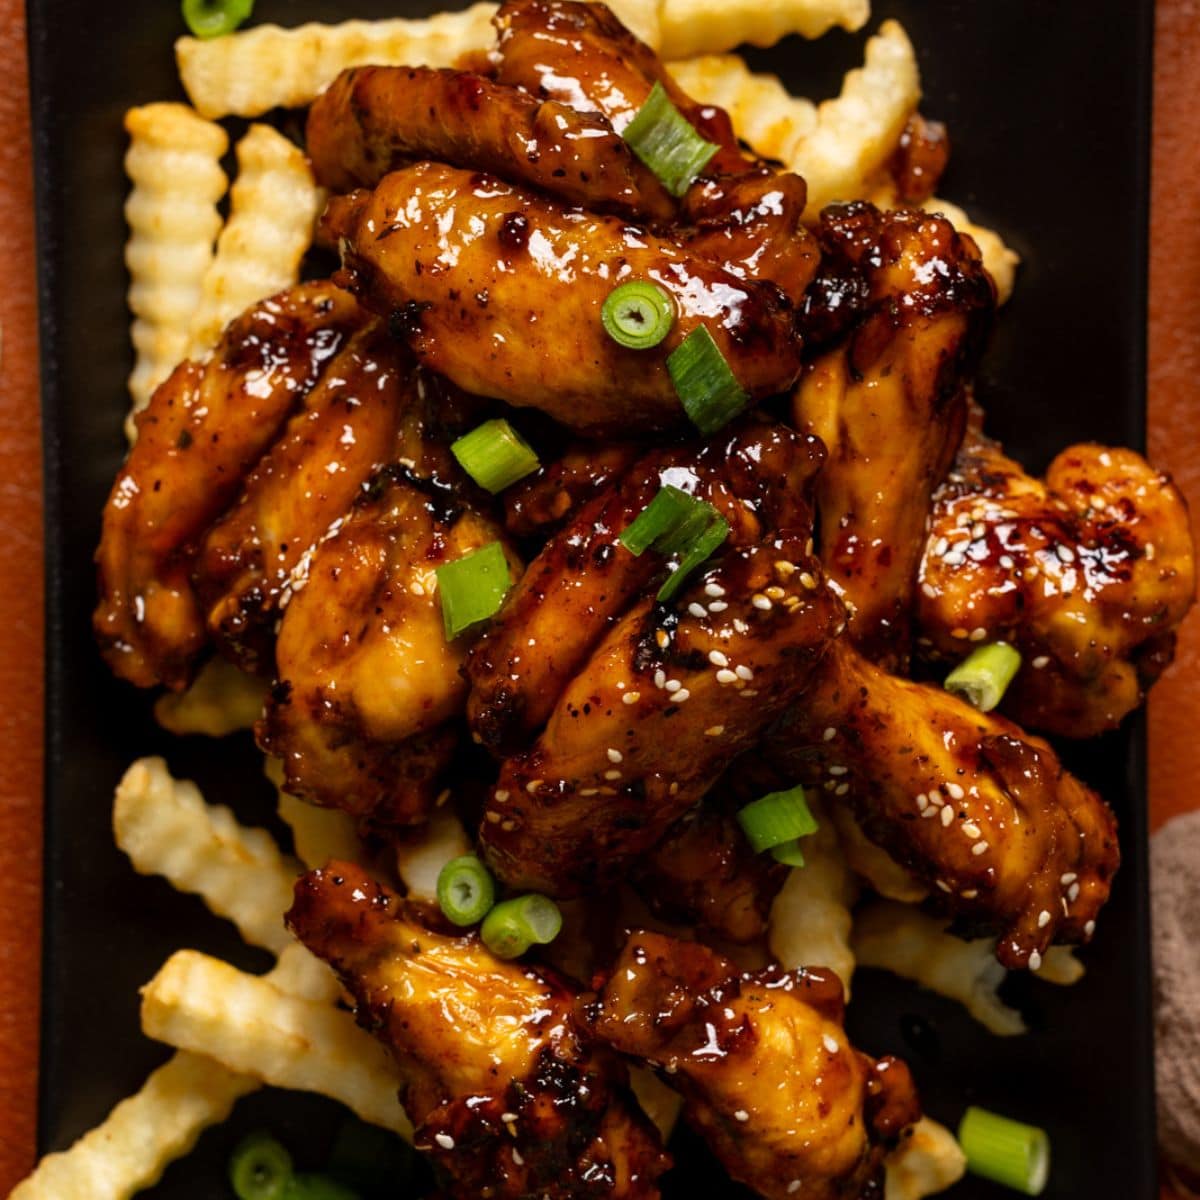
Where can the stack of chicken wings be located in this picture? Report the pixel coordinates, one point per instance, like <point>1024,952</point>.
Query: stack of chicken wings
<point>290,498</point>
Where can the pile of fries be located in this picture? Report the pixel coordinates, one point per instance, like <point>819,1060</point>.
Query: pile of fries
<point>192,271</point>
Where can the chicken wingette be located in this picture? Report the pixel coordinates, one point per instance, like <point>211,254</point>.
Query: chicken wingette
<point>204,429</point>
<point>903,301</point>
<point>506,1094</point>
<point>1088,573</point>
<point>501,290</point>
<point>768,1075</point>
<point>1008,841</point>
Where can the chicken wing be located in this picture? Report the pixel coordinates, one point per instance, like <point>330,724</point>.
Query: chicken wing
<point>501,291</point>
<point>372,120</point>
<point>671,694</point>
<point>906,301</point>
<point>769,1077</point>
<point>984,813</point>
<point>1088,573</point>
<point>584,578</point>
<point>344,433</point>
<point>367,679</point>
<point>507,1096</point>
<point>205,428</point>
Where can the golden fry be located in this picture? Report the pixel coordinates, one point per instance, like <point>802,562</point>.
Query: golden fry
<point>318,834</point>
<point>927,1161</point>
<point>422,854</point>
<point>707,26</point>
<point>221,700</point>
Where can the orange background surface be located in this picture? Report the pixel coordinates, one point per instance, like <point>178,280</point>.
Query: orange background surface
<point>1174,444</point>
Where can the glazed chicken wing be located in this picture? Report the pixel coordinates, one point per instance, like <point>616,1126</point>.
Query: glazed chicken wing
<point>506,1095</point>
<point>769,1077</point>
<point>367,679</point>
<point>372,120</point>
<point>1009,842</point>
<point>1088,573</point>
<point>205,428</point>
<point>905,299</point>
<point>501,291</point>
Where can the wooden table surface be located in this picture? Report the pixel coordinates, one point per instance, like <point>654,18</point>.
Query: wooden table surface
<point>1174,444</point>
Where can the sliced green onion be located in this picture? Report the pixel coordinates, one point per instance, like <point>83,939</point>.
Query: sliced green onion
<point>473,588</point>
<point>465,890</point>
<point>1005,1151</point>
<point>701,549</point>
<point>667,142</point>
<point>982,678</point>
<point>638,314</point>
<point>788,853</point>
<point>706,386</point>
<point>317,1187</point>
<point>660,518</point>
<point>515,925</point>
<point>495,455</point>
<point>259,1169</point>
<point>777,819</point>
<point>215,18</point>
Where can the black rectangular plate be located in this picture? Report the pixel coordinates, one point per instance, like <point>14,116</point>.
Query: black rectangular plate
<point>1048,106</point>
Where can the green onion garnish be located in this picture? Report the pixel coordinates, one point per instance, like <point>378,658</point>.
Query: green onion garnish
<point>1005,1151</point>
<point>638,314</point>
<point>473,588</point>
<point>260,1168</point>
<point>777,820</point>
<point>215,18</point>
<point>495,455</point>
<point>317,1187</point>
<point>982,677</point>
<point>465,890</point>
<point>666,141</point>
<point>515,925</point>
<point>706,386</point>
<point>677,526</point>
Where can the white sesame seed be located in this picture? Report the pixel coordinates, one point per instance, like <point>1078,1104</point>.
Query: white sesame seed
<point>615,755</point>
<point>743,672</point>
<point>1006,561</point>
<point>936,800</point>
<point>1068,878</point>
<point>922,801</point>
<point>1042,660</point>
<point>1149,551</point>
<point>943,885</point>
<point>1035,961</point>
<point>532,786</point>
<point>941,547</point>
<point>697,610</point>
<point>714,731</point>
<point>785,569</point>
<point>726,676</point>
<point>493,817</point>
<point>829,734</point>
<point>929,812</point>
<point>1090,928</point>
<point>742,1115</point>
<point>774,592</point>
<point>971,830</point>
<point>954,791</point>
<point>808,581</point>
<point>508,1118</point>
<point>841,789</point>
<point>715,589</point>
<point>717,658</point>
<point>612,775</point>
<point>500,796</point>
<point>1043,919</point>
<point>588,791</point>
<point>508,826</point>
<point>760,601</point>
<point>978,634</point>
<point>740,626</point>
<point>516,1157</point>
<point>660,678</point>
<point>631,697</point>
<point>929,590</point>
<point>837,769</point>
<point>960,634</point>
<point>672,685</point>
<point>416,588</point>
<point>970,893</point>
<point>1065,553</point>
<point>680,696</point>
<point>717,606</point>
<point>947,816</point>
<point>830,1043</point>
<point>748,693</point>
<point>978,530</point>
<point>1073,893</point>
<point>793,1187</point>
<point>979,848</point>
<point>444,1140</point>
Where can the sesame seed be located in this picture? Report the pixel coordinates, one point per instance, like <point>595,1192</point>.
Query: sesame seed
<point>978,530</point>
<point>673,789</point>
<point>714,589</point>
<point>936,800</point>
<point>929,812</point>
<point>841,789</point>
<point>714,731</point>
<point>1073,893</point>
<point>717,658</point>
<point>954,791</point>
<point>660,636</point>
<point>929,590</point>
<point>660,678</point>
<point>947,816</point>
<point>612,774</point>
<point>793,1187</point>
<point>775,592</point>
<point>1035,961</point>
<point>807,581</point>
<point>508,826</point>
<point>493,817</point>
<point>1042,660</point>
<point>808,546</point>
<point>717,606</point>
<point>1006,561</point>
<point>416,588</point>
<point>922,801</point>
<point>970,894</point>
<point>978,634</point>
<point>760,601</point>
<point>830,1043</point>
<point>744,672</point>
<point>516,1157</point>
<point>1065,553</point>
<point>673,685</point>
<point>943,885</point>
<point>508,1118</point>
<point>588,791</point>
<point>742,1115</point>
<point>1090,928</point>
<point>1068,878</point>
<point>680,696</point>
<point>829,734</point>
<point>442,797</point>
<point>614,755</point>
<point>1105,459</point>
<point>631,697</point>
<point>837,769</point>
<point>1149,551</point>
<point>1043,919</point>
<point>941,547</point>
<point>740,625</point>
<point>444,1140</point>
<point>748,693</point>
<point>500,796</point>
<point>726,676</point>
<point>785,569</point>
<point>532,786</point>
<point>961,634</point>
<point>979,848</point>
<point>697,610</point>
<point>971,830</point>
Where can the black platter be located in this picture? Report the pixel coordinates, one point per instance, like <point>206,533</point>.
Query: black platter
<point>1048,107</point>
